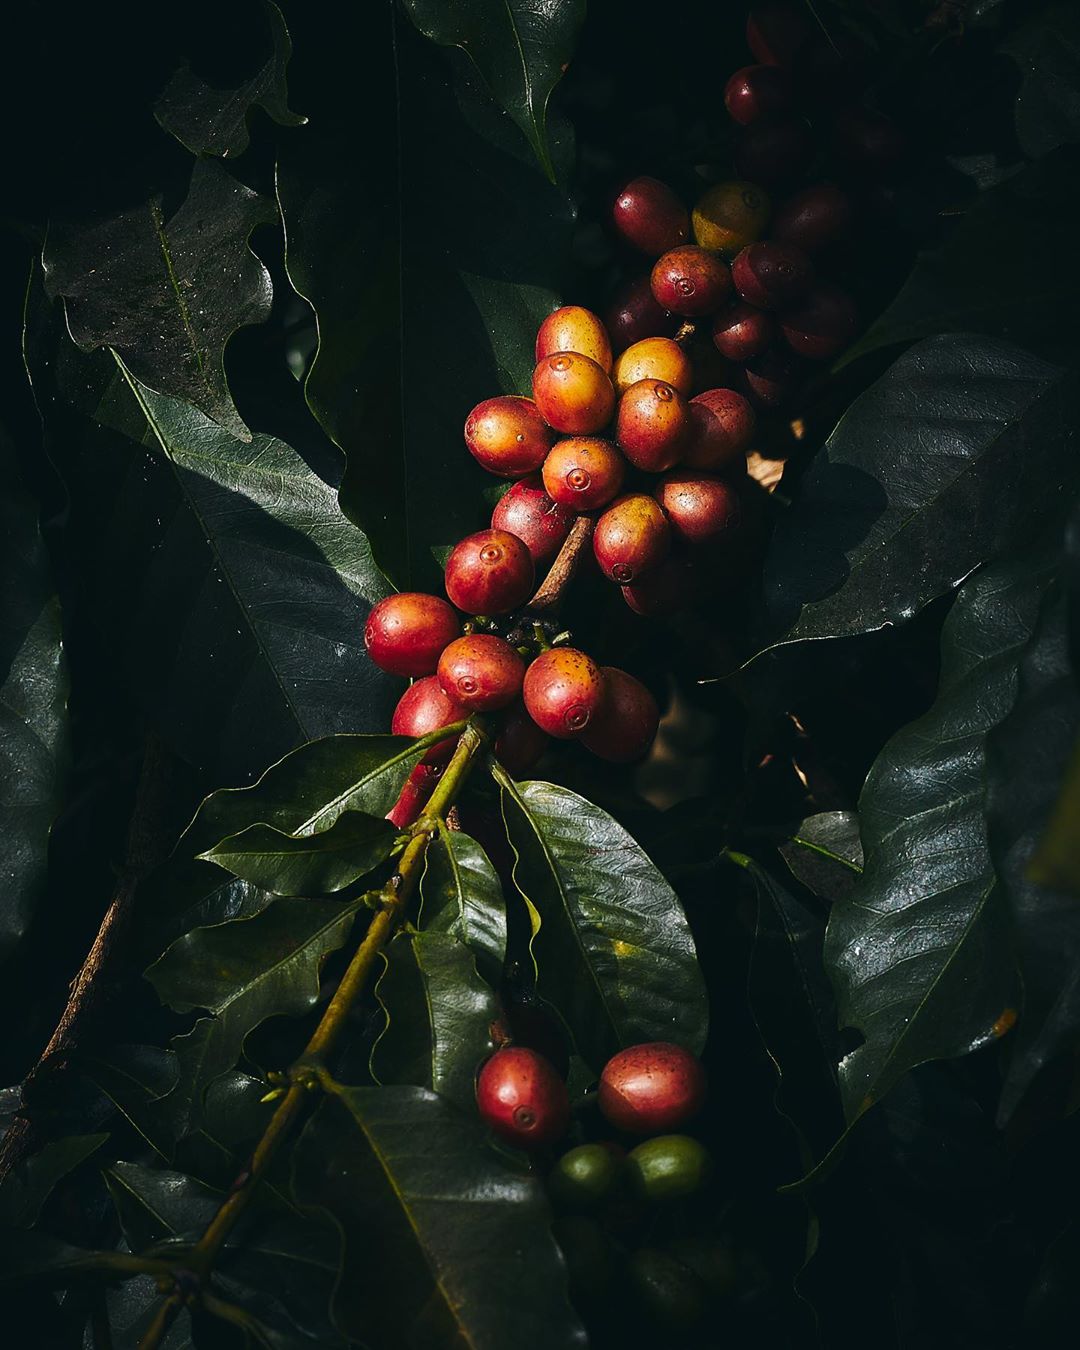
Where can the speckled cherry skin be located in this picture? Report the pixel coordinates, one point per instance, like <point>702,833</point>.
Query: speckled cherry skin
<point>422,708</point>
<point>539,522</point>
<point>651,425</point>
<point>658,358</point>
<point>741,330</point>
<point>758,94</point>
<point>633,314</point>
<point>573,393</point>
<point>699,506</point>
<point>625,726</point>
<point>770,379</point>
<point>814,218</point>
<point>508,436</point>
<point>574,329</point>
<point>583,472</point>
<point>631,537</point>
<point>490,572</point>
<point>481,671</point>
<point>822,324</point>
<point>649,216</point>
<point>651,1088</point>
<point>405,633</point>
<point>722,426</point>
<point>691,281</point>
<point>522,1099</point>
<point>562,692</point>
<point>772,274</point>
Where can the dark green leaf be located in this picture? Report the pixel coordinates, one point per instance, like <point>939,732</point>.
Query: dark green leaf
<point>520,49</point>
<point>825,853</point>
<point>962,449</point>
<point>28,1254</point>
<point>307,864</point>
<point>154,1204</point>
<point>214,121</point>
<point>461,895</point>
<point>1047,50</point>
<point>435,1227</point>
<point>183,894</point>
<point>27,1186</point>
<point>611,944</point>
<point>439,1014</point>
<point>1056,861</point>
<point>168,294</point>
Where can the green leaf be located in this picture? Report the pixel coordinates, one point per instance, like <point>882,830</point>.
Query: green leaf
<point>167,295</point>
<point>439,1014</point>
<point>308,864</point>
<point>33,706</point>
<point>457,1231</point>
<point>461,895</point>
<point>1056,860</point>
<point>612,947</point>
<point>27,1186</point>
<point>214,121</point>
<point>825,853</point>
<point>520,49</point>
<point>920,954</point>
<point>965,447</point>
<point>1047,51</point>
<point>27,1254</point>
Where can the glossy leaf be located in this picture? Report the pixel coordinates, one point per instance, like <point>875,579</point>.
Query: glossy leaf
<point>455,1224</point>
<point>215,121</point>
<point>167,294</point>
<point>460,895</point>
<point>27,1186</point>
<point>825,853</point>
<point>611,944</point>
<point>1047,51</point>
<point>962,449</point>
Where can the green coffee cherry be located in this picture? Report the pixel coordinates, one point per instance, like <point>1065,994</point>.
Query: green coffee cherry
<point>585,1177</point>
<point>670,1167</point>
<point>667,1290</point>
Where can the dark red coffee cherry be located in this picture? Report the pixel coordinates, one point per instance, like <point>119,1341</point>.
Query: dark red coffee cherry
<point>651,1088</point>
<point>670,588</point>
<point>424,708</point>
<point>626,724</point>
<point>722,425</point>
<point>652,424</point>
<point>822,324</point>
<point>633,314</point>
<point>583,472</point>
<point>631,537</point>
<point>770,379</point>
<point>482,672</point>
<point>519,743</point>
<point>573,393</point>
<point>405,633</point>
<point>758,94</point>
<point>867,139</point>
<point>573,329</point>
<point>699,506</point>
<point>777,31</point>
<point>815,218</point>
<point>773,152</point>
<point>490,572</point>
<point>508,436</point>
<point>649,216</point>
<point>563,691</point>
<point>691,281</point>
<point>522,1098</point>
<point>740,330</point>
<point>539,522</point>
<point>771,275</point>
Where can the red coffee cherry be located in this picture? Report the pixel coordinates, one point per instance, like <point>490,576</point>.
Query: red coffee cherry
<point>777,31</point>
<point>631,537</point>
<point>490,572</point>
<point>722,425</point>
<point>563,690</point>
<point>540,523</point>
<point>699,507</point>
<point>583,472</point>
<point>405,633</point>
<point>774,152</point>
<point>867,139</point>
<point>519,743</point>
<point>573,393</point>
<point>668,589</point>
<point>648,215</point>
<point>423,708</point>
<point>822,324</point>
<point>651,1088</point>
<point>771,275</point>
<point>691,281</point>
<point>482,672</point>
<point>658,358</point>
<point>758,94</point>
<point>633,314</point>
<point>415,793</point>
<point>508,436</point>
<point>626,723</point>
<point>814,218</point>
<point>573,329</point>
<point>522,1098</point>
<point>740,330</point>
<point>771,378</point>
<point>652,425</point>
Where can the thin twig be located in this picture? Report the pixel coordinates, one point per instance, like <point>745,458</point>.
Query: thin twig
<point>549,596</point>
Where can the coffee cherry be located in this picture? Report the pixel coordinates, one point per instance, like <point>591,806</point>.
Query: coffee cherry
<point>424,708</point>
<point>490,572</point>
<point>657,358</point>
<point>651,1087</point>
<point>758,94</point>
<point>508,436</point>
<point>699,507</point>
<point>573,393</point>
<point>652,425</point>
<point>670,1167</point>
<point>522,1098</point>
<point>740,330</point>
<point>773,152</point>
<point>583,472</point>
<point>414,794</point>
<point>573,329</point>
<point>649,216</point>
<point>519,743</point>
<point>814,218</point>
<point>405,633</point>
<point>668,589</point>
<point>711,1260</point>
<point>730,215</point>
<point>631,537</point>
<point>585,1177</point>
<point>481,671</point>
<point>540,523</point>
<point>691,281</point>
<point>821,324</point>
<point>668,1292</point>
<point>625,726</point>
<point>563,691</point>
<point>771,275</point>
<point>633,314</point>
<point>867,139</point>
<point>722,425</point>
<point>770,379</point>
<point>777,31</point>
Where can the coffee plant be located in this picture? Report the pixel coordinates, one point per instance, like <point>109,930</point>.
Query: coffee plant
<point>540,715</point>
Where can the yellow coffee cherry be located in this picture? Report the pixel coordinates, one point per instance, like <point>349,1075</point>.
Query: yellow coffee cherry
<point>731,215</point>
